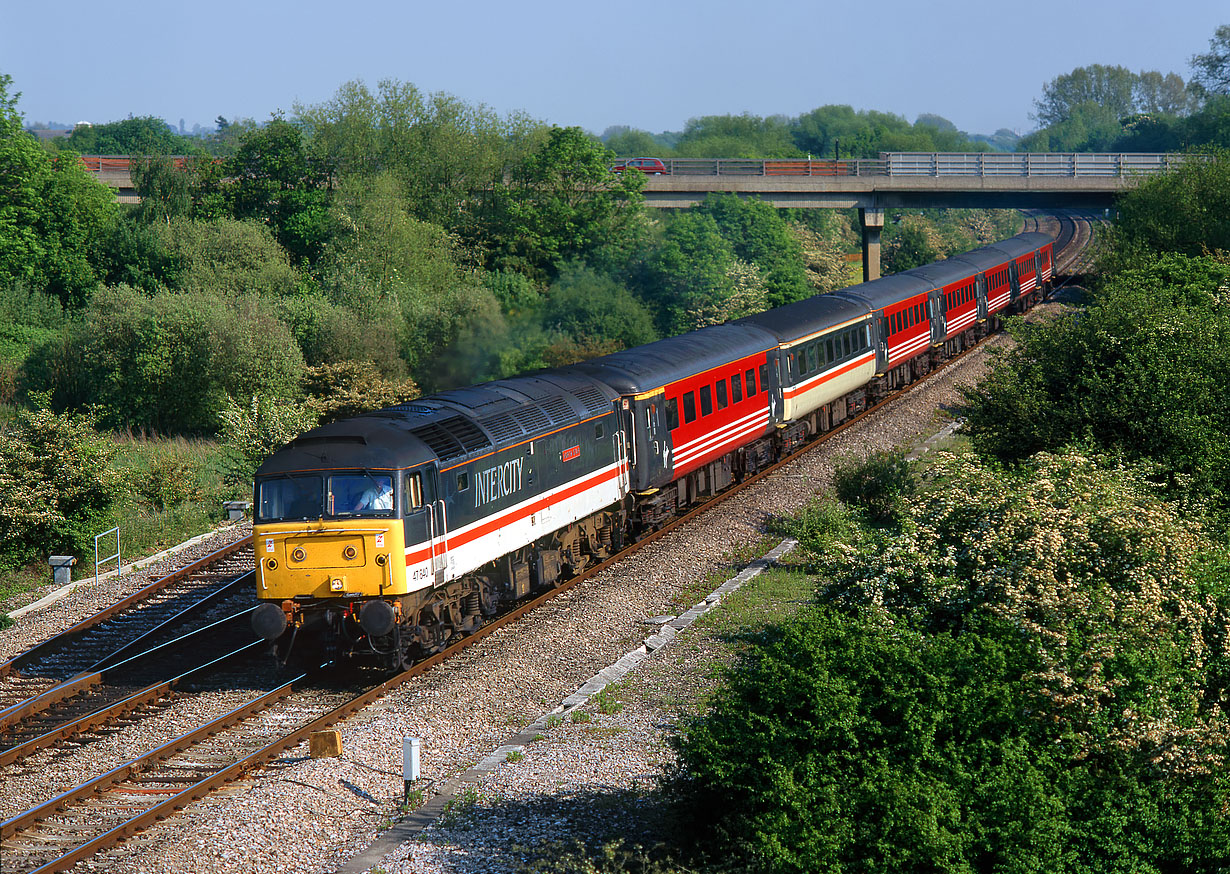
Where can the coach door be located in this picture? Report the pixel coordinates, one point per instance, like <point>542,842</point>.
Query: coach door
<point>648,440</point>
<point>880,326</point>
<point>982,297</point>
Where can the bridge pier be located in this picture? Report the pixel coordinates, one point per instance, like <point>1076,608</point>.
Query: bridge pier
<point>872,220</point>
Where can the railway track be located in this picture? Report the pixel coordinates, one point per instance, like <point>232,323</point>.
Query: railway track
<point>176,773</point>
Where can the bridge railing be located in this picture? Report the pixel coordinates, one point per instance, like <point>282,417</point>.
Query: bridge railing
<point>1027,163</point>
<point>742,167</point>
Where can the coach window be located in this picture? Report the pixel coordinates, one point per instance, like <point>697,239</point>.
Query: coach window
<point>672,413</point>
<point>749,380</point>
<point>829,353</point>
<point>764,377</point>
<point>689,407</point>
<point>721,394</point>
<point>813,355</point>
<point>846,343</point>
<point>706,400</point>
<point>736,388</point>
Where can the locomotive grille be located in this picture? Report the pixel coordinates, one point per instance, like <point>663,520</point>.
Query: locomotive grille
<point>593,399</point>
<point>559,411</point>
<point>452,438</point>
<point>532,420</point>
<point>503,428</point>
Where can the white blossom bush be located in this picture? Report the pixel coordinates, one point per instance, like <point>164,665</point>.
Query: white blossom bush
<point>1123,598</point>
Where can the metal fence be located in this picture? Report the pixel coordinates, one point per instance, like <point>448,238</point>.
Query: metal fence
<point>980,164</point>
<point>1070,164</point>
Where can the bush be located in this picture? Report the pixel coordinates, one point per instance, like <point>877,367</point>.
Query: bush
<point>1028,676</point>
<point>168,362</point>
<point>878,485</point>
<point>56,485</point>
<point>250,433</point>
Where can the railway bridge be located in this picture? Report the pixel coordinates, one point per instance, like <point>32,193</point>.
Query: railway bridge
<point>895,180</point>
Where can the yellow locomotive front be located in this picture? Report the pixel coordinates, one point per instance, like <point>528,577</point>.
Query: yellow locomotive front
<point>327,543</point>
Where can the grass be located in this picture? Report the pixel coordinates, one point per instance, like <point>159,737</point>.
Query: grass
<point>170,490</point>
<point>459,812</point>
<point>514,756</point>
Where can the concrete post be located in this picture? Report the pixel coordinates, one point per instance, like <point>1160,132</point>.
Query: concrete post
<point>872,220</point>
<point>62,568</point>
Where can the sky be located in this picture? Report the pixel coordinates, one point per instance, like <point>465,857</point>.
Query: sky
<point>651,66</point>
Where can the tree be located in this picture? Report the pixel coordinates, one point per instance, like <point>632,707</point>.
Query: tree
<point>737,136</point>
<point>164,190</point>
<point>1112,88</point>
<point>52,213</point>
<point>590,308</point>
<point>1181,211</point>
<point>760,235</point>
<point>274,179</point>
<point>1211,71</point>
<point>562,202</point>
<point>1122,378</point>
<point>146,135</point>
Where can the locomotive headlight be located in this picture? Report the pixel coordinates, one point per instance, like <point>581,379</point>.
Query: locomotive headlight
<point>349,553</point>
<point>382,559</point>
<point>298,554</point>
<point>271,563</point>
<point>337,585</point>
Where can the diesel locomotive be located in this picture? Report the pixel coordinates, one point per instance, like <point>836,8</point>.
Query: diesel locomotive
<point>384,536</point>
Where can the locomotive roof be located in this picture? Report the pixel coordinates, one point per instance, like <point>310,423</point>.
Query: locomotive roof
<point>802,318</point>
<point>653,365</point>
<point>449,426</point>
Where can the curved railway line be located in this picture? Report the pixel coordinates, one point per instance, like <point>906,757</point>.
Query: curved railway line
<point>54,686</point>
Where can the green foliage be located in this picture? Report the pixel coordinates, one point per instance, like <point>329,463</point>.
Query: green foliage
<point>589,308</point>
<point>1026,678</point>
<point>737,136</point>
<point>580,717</point>
<point>562,202</point>
<point>227,257</point>
<point>145,135</point>
<point>56,483</point>
<point>1181,211</point>
<point>272,178</point>
<point>166,362</point>
<point>51,213</point>
<point>251,432</point>
<point>1211,70</point>
<point>879,485</point>
<point>839,131</point>
<point>1123,377</point>
<point>348,388</point>
<point>759,235</point>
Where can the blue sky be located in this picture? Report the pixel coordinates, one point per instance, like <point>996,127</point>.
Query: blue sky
<point>652,65</point>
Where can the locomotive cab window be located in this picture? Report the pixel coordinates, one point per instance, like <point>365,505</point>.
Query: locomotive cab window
<point>414,491</point>
<point>362,494</point>
<point>463,481</point>
<point>291,497</point>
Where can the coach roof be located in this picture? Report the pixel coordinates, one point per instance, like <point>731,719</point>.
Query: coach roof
<point>654,365</point>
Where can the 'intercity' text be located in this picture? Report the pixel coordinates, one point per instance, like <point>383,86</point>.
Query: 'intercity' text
<point>498,482</point>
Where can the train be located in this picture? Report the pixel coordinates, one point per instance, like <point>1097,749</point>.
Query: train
<point>383,537</point>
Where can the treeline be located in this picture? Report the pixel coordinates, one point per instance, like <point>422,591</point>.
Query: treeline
<point>1016,658</point>
<point>1101,108</point>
